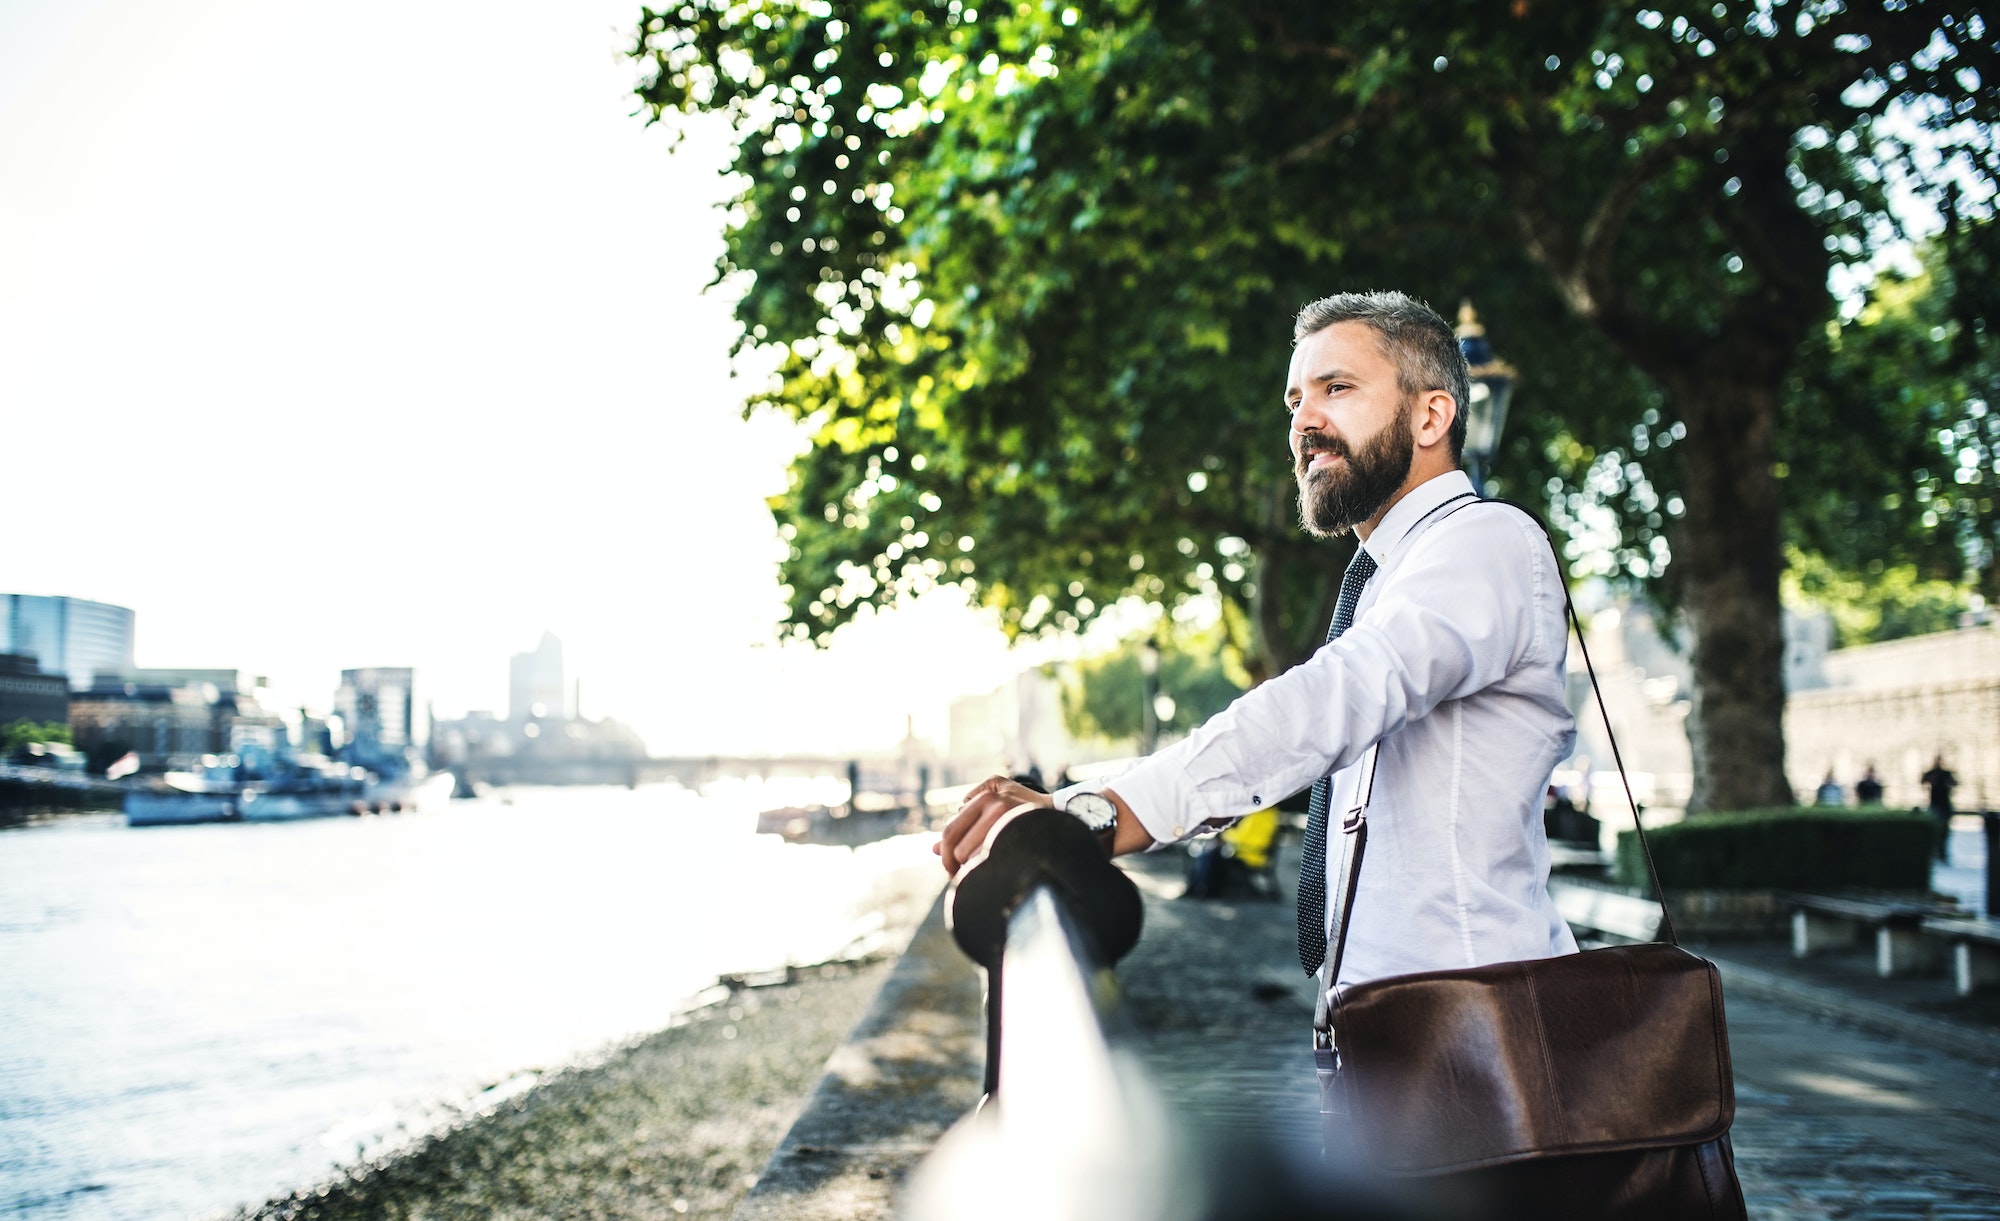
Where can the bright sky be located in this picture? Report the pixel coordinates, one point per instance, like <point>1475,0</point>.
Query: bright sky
<point>373,334</point>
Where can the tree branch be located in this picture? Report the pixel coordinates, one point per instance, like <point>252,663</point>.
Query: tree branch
<point>1321,142</point>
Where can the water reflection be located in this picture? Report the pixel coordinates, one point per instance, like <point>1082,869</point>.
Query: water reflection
<point>197,1017</point>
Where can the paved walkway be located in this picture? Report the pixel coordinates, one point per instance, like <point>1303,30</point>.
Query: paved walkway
<point>1835,1119</point>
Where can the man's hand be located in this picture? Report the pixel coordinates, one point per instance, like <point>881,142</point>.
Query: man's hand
<point>980,815</point>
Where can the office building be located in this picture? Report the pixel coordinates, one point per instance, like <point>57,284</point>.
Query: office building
<point>72,637</point>
<point>377,706</point>
<point>535,683</point>
<point>170,728</point>
<point>27,694</point>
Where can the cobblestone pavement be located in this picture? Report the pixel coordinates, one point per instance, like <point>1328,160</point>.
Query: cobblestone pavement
<point>1832,1122</point>
<point>1835,1122</point>
<point>1222,1012</point>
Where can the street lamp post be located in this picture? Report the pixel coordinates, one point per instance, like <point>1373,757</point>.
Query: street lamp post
<point>1492,390</point>
<point>1149,670</point>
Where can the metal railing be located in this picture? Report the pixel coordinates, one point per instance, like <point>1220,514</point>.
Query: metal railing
<point>1072,1127</point>
<point>1069,1127</point>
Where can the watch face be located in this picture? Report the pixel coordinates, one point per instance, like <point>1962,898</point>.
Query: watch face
<point>1094,809</point>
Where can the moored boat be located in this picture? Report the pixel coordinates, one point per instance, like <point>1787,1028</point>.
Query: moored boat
<point>262,788</point>
<point>841,824</point>
<point>180,798</point>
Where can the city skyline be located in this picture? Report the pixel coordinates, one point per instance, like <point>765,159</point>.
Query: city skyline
<point>334,356</point>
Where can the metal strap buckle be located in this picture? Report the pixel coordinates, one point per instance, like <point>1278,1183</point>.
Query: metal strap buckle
<point>1332,1085</point>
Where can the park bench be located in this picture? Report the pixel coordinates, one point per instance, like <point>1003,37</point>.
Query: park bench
<point>1603,917</point>
<point>1975,950</point>
<point>1831,922</point>
<point>1567,855</point>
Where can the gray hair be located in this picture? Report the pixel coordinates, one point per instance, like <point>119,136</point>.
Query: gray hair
<point>1421,344</point>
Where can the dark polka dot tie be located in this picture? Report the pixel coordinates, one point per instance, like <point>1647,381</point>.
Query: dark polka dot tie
<point>1312,859</point>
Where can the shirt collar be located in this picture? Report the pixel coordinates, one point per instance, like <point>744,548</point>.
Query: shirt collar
<point>1389,537</point>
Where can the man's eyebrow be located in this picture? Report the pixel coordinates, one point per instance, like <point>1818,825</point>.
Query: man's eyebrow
<point>1335,374</point>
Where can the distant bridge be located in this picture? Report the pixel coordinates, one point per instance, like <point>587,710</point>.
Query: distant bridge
<point>691,771</point>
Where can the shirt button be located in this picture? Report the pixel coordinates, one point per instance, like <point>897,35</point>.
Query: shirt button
<point>1179,831</point>
<point>1256,800</point>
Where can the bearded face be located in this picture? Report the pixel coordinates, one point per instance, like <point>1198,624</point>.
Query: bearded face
<point>1336,498</point>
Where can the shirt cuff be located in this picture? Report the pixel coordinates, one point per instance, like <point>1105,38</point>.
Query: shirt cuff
<point>1156,789</point>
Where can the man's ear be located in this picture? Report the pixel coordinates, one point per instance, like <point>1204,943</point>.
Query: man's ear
<point>1434,428</point>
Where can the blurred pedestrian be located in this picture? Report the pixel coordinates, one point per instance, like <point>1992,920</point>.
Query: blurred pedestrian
<point>1868,789</point>
<point>1941,782</point>
<point>1830,793</point>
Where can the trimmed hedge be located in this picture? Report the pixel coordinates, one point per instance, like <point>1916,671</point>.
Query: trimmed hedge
<point>1807,848</point>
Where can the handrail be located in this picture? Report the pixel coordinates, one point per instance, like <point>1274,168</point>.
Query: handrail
<point>1071,1127</point>
<point>1040,848</point>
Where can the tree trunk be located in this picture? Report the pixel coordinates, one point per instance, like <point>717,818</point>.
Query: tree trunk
<point>1726,563</point>
<point>1267,655</point>
<point>1296,589</point>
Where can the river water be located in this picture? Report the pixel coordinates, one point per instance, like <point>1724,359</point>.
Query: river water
<point>195,1018</point>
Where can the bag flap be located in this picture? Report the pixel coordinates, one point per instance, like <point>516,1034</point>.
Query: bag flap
<point>1611,1049</point>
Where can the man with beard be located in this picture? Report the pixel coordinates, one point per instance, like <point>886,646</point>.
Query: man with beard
<point>1447,652</point>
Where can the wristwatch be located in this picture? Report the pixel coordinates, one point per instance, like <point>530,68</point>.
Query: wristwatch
<point>1095,811</point>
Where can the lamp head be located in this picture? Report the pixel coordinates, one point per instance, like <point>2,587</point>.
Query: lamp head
<point>1492,388</point>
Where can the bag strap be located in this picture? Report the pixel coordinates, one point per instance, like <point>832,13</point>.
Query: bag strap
<point>1354,826</point>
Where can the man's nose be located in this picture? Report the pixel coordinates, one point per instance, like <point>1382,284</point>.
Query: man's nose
<point>1307,418</point>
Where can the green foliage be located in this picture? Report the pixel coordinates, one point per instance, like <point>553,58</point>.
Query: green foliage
<point>21,734</point>
<point>1891,443</point>
<point>1880,603</point>
<point>1029,270</point>
<point>1040,358</point>
<point>1105,696</point>
<point>1808,848</point>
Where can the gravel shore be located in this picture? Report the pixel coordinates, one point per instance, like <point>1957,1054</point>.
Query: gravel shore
<point>675,1125</point>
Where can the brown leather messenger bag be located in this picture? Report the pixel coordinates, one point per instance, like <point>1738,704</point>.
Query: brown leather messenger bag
<point>1588,1085</point>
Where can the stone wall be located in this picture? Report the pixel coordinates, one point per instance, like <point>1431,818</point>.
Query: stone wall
<point>1896,705</point>
<point>1899,729</point>
<point>1972,652</point>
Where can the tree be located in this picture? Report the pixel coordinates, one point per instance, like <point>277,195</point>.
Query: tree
<point>17,736</point>
<point>1889,451</point>
<point>1892,602</point>
<point>1034,265</point>
<point>1105,696</point>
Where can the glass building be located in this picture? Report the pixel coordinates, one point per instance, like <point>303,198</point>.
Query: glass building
<point>68,636</point>
<point>378,706</point>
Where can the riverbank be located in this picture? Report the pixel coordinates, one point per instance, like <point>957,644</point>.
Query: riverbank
<point>677,1124</point>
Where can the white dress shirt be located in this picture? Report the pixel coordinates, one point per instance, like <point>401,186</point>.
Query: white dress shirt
<point>1455,665</point>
